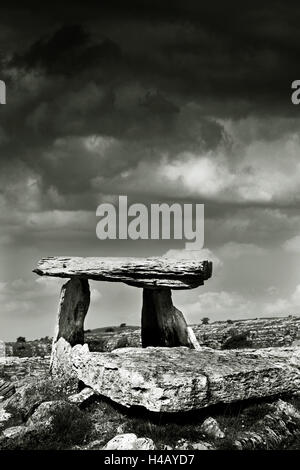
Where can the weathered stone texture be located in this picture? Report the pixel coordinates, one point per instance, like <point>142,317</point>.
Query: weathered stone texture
<point>259,333</point>
<point>83,397</point>
<point>18,370</point>
<point>2,349</point>
<point>130,441</point>
<point>7,389</point>
<point>139,272</point>
<point>210,427</point>
<point>279,425</point>
<point>182,379</point>
<point>39,347</point>
<point>73,307</point>
<point>162,323</point>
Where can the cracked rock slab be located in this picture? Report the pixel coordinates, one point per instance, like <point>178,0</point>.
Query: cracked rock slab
<point>181,379</point>
<point>139,272</point>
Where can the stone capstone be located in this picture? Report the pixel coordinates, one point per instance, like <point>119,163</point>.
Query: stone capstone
<point>139,272</point>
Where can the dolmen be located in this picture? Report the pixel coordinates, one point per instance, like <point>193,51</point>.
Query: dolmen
<point>162,323</point>
<point>171,372</point>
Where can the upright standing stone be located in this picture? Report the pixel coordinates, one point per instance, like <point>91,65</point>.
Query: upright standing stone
<point>162,323</point>
<point>2,349</point>
<point>73,307</point>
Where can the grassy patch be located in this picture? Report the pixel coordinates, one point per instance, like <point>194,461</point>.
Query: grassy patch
<point>69,427</point>
<point>162,434</point>
<point>238,418</point>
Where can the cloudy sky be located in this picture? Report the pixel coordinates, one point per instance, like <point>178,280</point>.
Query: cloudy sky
<point>189,103</point>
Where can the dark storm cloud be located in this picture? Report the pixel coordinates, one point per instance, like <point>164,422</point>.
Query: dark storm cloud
<point>164,101</point>
<point>190,48</point>
<point>68,51</point>
<point>156,79</point>
<point>71,83</point>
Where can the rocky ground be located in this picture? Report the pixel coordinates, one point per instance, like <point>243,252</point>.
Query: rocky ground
<point>45,415</point>
<point>39,413</point>
<point>229,334</point>
<point>253,333</point>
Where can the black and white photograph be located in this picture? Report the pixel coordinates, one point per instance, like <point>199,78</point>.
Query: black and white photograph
<point>150,228</point>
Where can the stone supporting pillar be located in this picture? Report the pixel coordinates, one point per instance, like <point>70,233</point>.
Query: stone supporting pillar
<point>73,307</point>
<point>162,323</point>
<point>2,349</point>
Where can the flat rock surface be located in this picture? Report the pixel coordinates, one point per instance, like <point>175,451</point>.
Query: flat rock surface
<point>182,379</point>
<point>139,272</point>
